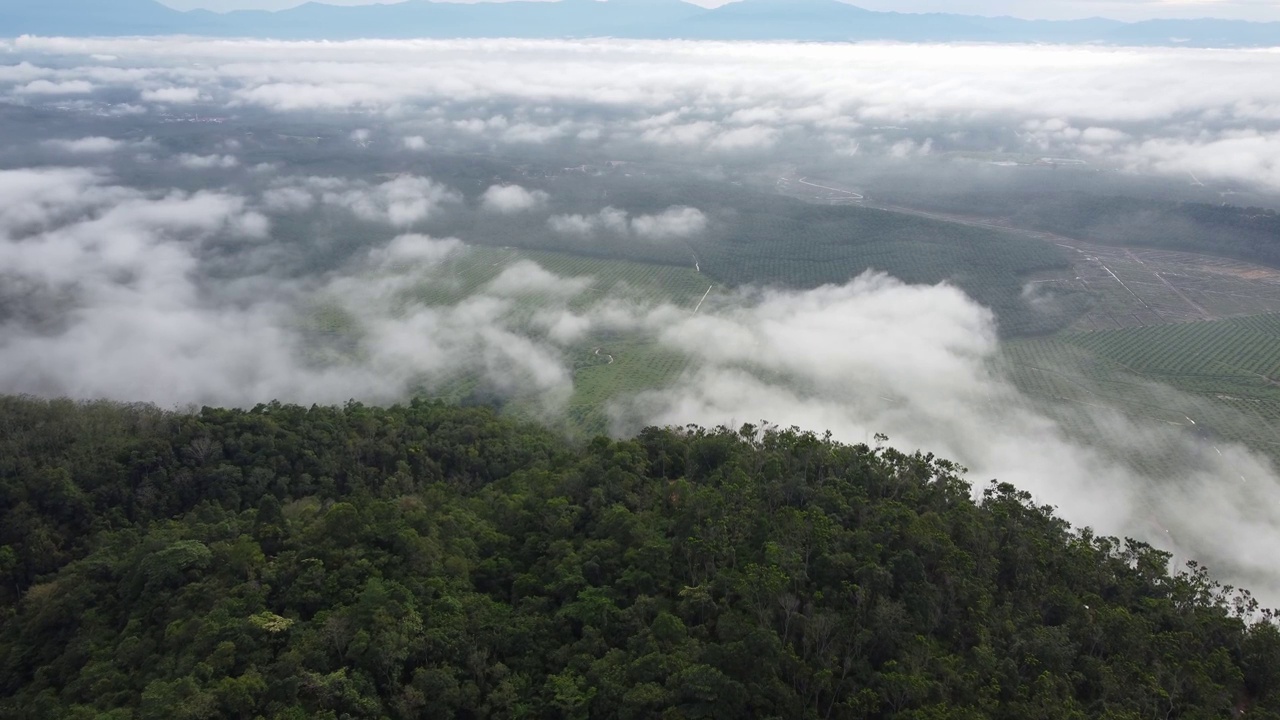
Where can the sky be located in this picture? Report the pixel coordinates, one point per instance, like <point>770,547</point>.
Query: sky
<point>1131,10</point>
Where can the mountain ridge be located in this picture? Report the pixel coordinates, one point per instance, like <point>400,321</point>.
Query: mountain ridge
<point>803,20</point>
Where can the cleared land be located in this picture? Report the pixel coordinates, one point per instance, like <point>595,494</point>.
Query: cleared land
<point>1137,287</point>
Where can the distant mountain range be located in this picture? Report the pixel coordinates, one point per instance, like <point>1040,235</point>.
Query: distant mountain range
<point>819,20</point>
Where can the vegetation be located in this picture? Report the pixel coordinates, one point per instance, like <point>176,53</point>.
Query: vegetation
<point>1243,353</point>
<point>774,240</point>
<point>629,367</point>
<point>1223,374</point>
<point>762,238</point>
<point>1244,233</point>
<point>429,561</point>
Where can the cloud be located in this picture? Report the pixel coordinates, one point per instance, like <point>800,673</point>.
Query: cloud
<point>114,305</point>
<point>172,95</point>
<point>35,198</point>
<point>412,249</point>
<point>86,145</point>
<point>608,220</point>
<point>205,162</point>
<point>674,223</point>
<point>510,199</point>
<point>288,199</point>
<point>754,137</point>
<point>691,98</point>
<point>1227,156</point>
<point>528,278</point>
<point>46,87</point>
<point>402,202</point>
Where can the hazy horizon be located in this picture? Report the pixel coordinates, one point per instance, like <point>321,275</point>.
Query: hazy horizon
<point>1127,11</point>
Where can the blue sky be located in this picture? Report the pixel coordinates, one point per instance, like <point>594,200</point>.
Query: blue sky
<point>1049,9</point>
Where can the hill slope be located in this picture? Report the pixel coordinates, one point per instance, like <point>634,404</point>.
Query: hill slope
<point>427,561</point>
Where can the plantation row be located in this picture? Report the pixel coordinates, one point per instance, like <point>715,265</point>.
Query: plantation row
<point>1209,372</point>
<point>1226,348</point>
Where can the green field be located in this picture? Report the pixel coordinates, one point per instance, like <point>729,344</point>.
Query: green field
<point>1219,379</point>
<point>640,364</point>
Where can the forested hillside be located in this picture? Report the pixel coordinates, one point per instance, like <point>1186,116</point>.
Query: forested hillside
<point>432,561</point>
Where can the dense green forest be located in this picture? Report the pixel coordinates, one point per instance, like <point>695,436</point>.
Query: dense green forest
<point>435,561</point>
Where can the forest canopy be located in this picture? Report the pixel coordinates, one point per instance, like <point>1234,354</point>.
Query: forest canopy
<point>423,560</point>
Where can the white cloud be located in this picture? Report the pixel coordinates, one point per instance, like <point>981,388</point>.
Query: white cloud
<point>34,199</point>
<point>509,199</point>
<point>691,97</point>
<point>288,199</point>
<point>142,326</point>
<point>172,95</point>
<point>86,145</point>
<point>1103,135</point>
<point>747,138</point>
<point>402,202</point>
<point>47,87</point>
<point>609,220</point>
<point>205,162</point>
<point>676,222</point>
<point>671,224</point>
<point>1227,156</point>
<point>528,278</point>
<point>416,249</point>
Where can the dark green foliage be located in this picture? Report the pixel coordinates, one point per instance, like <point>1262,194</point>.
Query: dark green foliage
<point>428,561</point>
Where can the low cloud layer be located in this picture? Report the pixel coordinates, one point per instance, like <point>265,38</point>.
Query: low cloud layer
<point>1161,110</point>
<point>113,304</point>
